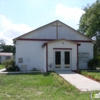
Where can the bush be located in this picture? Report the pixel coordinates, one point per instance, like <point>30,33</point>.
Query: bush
<point>84,72</point>
<point>99,61</point>
<point>10,65</point>
<point>93,63</point>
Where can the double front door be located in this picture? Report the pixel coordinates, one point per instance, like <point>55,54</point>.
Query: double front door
<point>62,59</point>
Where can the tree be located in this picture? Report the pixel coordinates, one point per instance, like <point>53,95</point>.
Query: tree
<point>6,48</point>
<point>2,43</point>
<point>90,23</point>
<point>9,48</point>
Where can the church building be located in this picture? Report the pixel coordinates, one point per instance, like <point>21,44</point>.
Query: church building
<point>54,46</point>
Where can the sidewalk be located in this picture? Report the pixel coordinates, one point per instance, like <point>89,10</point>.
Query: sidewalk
<point>79,81</point>
<point>2,70</point>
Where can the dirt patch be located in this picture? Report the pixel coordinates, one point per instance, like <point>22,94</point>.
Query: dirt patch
<point>39,93</point>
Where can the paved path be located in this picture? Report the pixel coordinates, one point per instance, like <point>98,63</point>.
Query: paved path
<point>1,70</point>
<point>79,81</point>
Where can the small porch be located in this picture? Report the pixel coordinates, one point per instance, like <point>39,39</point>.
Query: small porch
<point>61,55</point>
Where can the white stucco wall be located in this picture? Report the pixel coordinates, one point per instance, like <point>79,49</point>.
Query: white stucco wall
<point>32,53</point>
<point>59,44</point>
<point>86,47</point>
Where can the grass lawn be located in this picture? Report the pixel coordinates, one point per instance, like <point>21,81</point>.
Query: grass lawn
<point>91,74</point>
<point>48,86</point>
<point>1,66</point>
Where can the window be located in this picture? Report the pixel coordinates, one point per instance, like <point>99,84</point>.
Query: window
<point>67,57</point>
<point>20,60</point>
<point>8,57</point>
<point>57,57</point>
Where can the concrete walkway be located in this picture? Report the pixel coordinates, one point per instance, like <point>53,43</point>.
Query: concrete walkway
<point>1,70</point>
<point>79,81</point>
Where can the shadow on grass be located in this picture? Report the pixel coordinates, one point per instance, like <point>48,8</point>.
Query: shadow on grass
<point>36,73</point>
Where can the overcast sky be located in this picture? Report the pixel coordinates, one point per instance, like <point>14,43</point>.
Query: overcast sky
<point>20,16</point>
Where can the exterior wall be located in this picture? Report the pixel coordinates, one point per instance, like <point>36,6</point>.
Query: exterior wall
<point>65,32</point>
<point>44,60</point>
<point>87,50</point>
<point>32,53</point>
<point>49,32</point>
<point>59,44</point>
<point>3,58</point>
<point>34,56</point>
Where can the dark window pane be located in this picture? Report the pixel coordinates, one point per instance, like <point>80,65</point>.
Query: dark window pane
<point>20,60</point>
<point>8,57</point>
<point>57,58</point>
<point>67,57</point>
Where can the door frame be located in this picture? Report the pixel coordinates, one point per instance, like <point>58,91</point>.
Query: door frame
<point>62,49</point>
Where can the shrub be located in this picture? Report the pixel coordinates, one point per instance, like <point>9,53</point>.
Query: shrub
<point>10,65</point>
<point>99,61</point>
<point>34,69</point>
<point>93,63</point>
<point>84,72</point>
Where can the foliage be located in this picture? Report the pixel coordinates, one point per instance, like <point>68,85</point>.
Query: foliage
<point>34,69</point>
<point>2,42</point>
<point>90,21</point>
<point>60,82</point>
<point>93,63</point>
<point>90,24</point>
<point>1,66</point>
<point>8,48</point>
<point>92,74</point>
<point>10,65</point>
<point>37,87</point>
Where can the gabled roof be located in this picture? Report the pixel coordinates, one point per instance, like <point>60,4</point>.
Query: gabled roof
<point>60,40</point>
<point>49,24</point>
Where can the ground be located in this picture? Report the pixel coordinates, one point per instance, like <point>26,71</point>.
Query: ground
<point>95,75</point>
<point>1,66</point>
<point>48,86</point>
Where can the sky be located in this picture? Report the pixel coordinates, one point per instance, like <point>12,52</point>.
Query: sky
<point>20,16</point>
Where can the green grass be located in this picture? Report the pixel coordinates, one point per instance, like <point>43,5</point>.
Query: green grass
<point>1,66</point>
<point>48,86</point>
<point>92,74</point>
